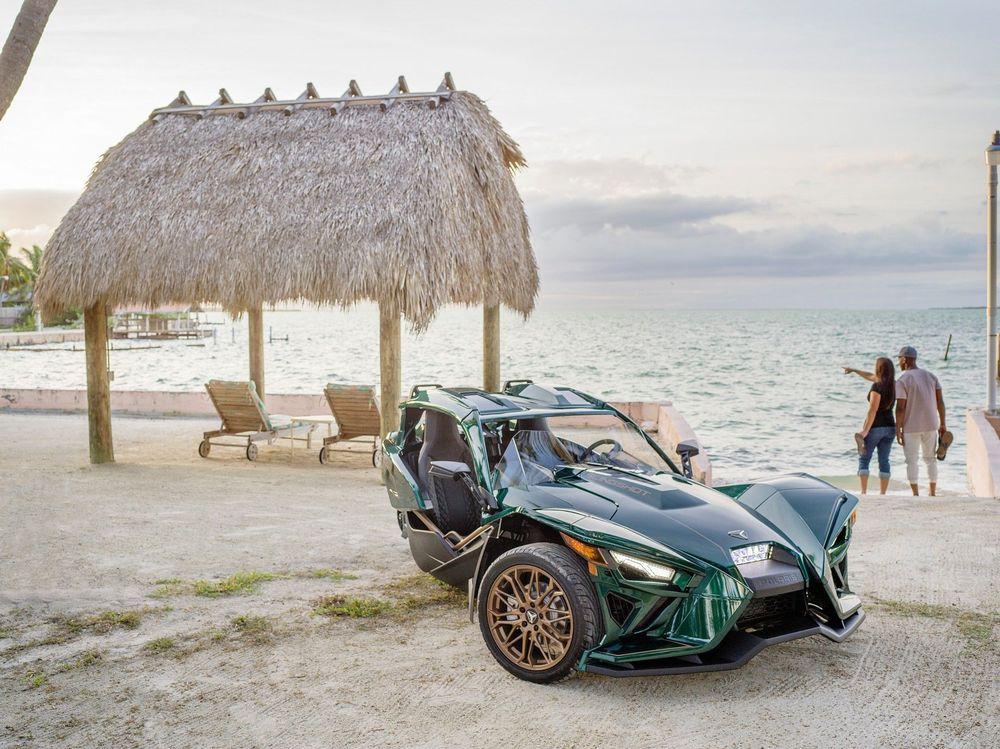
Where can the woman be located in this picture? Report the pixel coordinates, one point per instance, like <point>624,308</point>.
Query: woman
<point>879,429</point>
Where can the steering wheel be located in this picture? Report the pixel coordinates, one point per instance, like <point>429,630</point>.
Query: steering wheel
<point>615,449</point>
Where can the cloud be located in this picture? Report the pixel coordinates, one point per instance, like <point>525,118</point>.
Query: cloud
<point>881,163</point>
<point>643,232</point>
<point>985,87</point>
<point>658,212</point>
<point>710,250</point>
<point>30,216</point>
<point>602,177</point>
<point>599,194</point>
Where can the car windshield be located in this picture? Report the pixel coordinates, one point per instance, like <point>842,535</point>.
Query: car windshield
<point>533,449</point>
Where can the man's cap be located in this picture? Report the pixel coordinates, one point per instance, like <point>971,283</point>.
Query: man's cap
<point>908,352</point>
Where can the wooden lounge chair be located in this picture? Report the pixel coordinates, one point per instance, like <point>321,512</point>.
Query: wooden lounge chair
<point>243,415</point>
<point>357,416</point>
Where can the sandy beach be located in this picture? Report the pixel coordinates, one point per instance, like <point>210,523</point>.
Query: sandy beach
<point>124,621</point>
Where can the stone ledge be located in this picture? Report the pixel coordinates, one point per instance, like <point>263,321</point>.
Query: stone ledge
<point>982,457</point>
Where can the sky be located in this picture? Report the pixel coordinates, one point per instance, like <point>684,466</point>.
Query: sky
<point>680,155</point>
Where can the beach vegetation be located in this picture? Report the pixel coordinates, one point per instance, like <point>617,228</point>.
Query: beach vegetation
<point>352,607</point>
<point>35,678</point>
<point>417,592</point>
<point>160,645</point>
<point>403,598</point>
<point>255,629</point>
<point>326,573</point>
<point>85,659</point>
<point>975,626</point>
<point>240,583</point>
<point>102,622</point>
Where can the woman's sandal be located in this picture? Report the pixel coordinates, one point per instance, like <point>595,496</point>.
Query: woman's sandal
<point>944,442</point>
<point>861,444</point>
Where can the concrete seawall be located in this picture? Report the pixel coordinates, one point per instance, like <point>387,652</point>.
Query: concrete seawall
<point>982,456</point>
<point>660,419</point>
<point>9,339</point>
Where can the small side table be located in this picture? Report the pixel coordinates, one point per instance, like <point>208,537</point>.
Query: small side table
<point>313,422</point>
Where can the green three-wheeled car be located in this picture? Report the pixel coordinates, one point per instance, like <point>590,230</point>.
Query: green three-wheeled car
<point>584,546</point>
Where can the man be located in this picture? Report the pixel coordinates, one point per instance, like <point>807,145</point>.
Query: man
<point>920,419</point>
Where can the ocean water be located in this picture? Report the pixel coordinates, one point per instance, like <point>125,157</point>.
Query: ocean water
<point>764,390</point>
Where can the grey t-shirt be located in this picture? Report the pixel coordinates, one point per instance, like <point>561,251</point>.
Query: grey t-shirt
<point>919,387</point>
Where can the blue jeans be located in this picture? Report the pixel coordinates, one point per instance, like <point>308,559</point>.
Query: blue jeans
<point>880,439</point>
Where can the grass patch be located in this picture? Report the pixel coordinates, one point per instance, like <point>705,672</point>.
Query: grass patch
<point>329,574</point>
<point>88,658</point>
<point>67,628</point>
<point>241,583</point>
<point>407,596</point>
<point>35,679</point>
<point>417,592</point>
<point>351,607</point>
<point>975,626</point>
<point>101,623</point>
<point>57,638</point>
<point>251,624</point>
<point>160,645</point>
<point>255,629</point>
<point>217,634</point>
<point>168,587</point>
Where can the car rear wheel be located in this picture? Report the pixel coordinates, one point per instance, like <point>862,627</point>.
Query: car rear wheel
<point>538,611</point>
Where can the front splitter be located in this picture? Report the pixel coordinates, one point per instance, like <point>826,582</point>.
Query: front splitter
<point>735,651</point>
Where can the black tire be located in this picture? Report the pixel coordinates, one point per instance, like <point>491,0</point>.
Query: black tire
<point>204,448</point>
<point>377,457</point>
<point>566,569</point>
<point>251,451</point>
<point>454,509</point>
<point>324,454</point>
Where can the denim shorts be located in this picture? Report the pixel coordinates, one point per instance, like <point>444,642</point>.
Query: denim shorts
<point>879,440</point>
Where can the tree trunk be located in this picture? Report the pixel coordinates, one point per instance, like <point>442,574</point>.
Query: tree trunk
<point>95,321</point>
<point>255,318</point>
<point>20,47</point>
<point>390,361</point>
<point>491,348</point>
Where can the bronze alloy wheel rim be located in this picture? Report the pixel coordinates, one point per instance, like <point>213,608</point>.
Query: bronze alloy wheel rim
<point>529,617</point>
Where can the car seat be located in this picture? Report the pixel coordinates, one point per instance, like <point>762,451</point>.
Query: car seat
<point>455,509</point>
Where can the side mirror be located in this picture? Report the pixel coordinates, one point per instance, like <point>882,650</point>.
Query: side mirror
<point>449,469</point>
<point>686,451</point>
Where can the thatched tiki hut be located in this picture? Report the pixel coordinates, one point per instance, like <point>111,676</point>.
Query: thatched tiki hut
<point>405,199</point>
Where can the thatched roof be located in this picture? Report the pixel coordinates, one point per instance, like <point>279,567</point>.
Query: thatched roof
<point>405,199</point>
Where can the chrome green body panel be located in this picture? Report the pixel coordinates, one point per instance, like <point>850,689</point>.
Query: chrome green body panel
<point>693,624</point>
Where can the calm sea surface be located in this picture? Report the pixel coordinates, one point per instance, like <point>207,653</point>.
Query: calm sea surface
<point>763,389</point>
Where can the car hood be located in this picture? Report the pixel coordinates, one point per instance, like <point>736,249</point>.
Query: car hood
<point>667,508</point>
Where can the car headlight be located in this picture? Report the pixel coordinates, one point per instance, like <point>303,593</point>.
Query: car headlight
<point>753,553</point>
<point>635,568</point>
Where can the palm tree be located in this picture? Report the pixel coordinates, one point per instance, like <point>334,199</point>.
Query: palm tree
<point>21,272</point>
<point>10,268</point>
<point>20,47</point>
<point>20,275</point>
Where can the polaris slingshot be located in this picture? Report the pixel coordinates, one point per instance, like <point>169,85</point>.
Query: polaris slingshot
<point>583,546</point>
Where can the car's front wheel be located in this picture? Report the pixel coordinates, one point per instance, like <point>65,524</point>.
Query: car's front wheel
<point>538,611</point>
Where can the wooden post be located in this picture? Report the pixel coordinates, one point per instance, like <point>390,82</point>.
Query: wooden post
<point>95,332</point>
<point>491,348</point>
<point>255,317</point>
<point>390,360</point>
